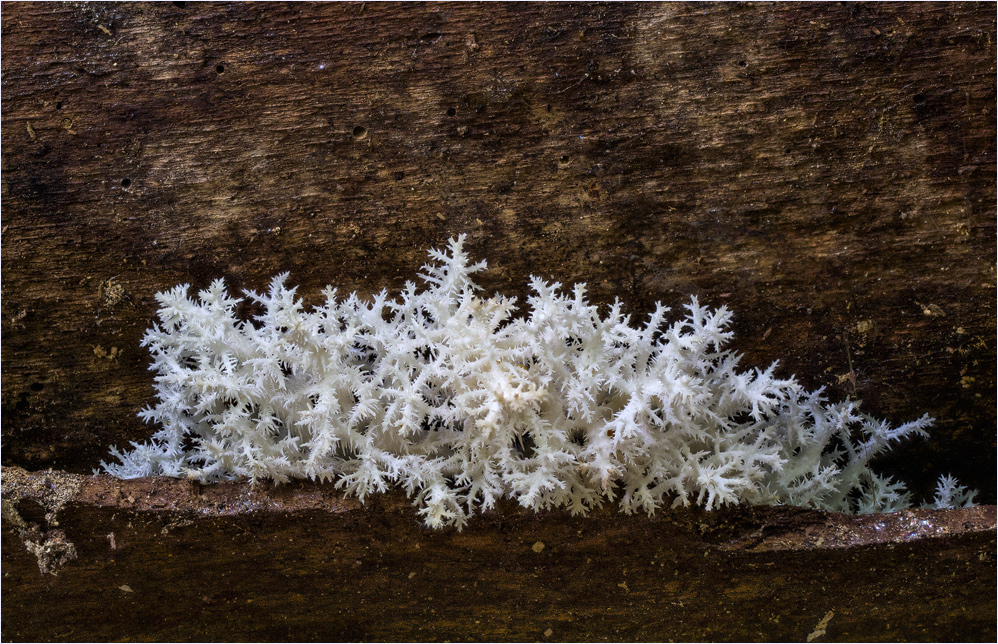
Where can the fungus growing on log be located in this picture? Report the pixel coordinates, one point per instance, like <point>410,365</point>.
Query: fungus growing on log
<point>462,400</point>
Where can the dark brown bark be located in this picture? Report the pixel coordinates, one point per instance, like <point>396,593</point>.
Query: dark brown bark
<point>173,560</point>
<point>827,171</point>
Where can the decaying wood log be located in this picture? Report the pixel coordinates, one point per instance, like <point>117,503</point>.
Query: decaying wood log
<point>827,171</point>
<point>174,560</point>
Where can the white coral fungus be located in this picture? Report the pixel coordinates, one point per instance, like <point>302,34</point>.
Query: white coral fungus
<point>460,402</point>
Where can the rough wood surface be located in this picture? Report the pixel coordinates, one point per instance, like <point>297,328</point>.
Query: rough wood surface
<point>828,171</point>
<point>176,561</point>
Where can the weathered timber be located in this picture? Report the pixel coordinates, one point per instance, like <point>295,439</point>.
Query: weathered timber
<point>828,171</point>
<point>173,560</point>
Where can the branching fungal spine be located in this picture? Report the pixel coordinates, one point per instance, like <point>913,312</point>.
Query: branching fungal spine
<point>461,402</point>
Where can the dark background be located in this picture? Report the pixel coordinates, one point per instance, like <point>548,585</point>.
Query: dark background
<point>825,170</point>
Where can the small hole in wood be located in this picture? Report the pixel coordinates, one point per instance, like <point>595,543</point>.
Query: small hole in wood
<point>359,133</point>
<point>451,112</point>
<point>220,68</point>
<point>126,183</point>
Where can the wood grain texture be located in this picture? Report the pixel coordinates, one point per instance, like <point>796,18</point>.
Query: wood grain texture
<point>176,561</point>
<point>828,171</point>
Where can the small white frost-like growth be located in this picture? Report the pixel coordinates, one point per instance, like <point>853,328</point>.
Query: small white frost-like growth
<point>461,402</point>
